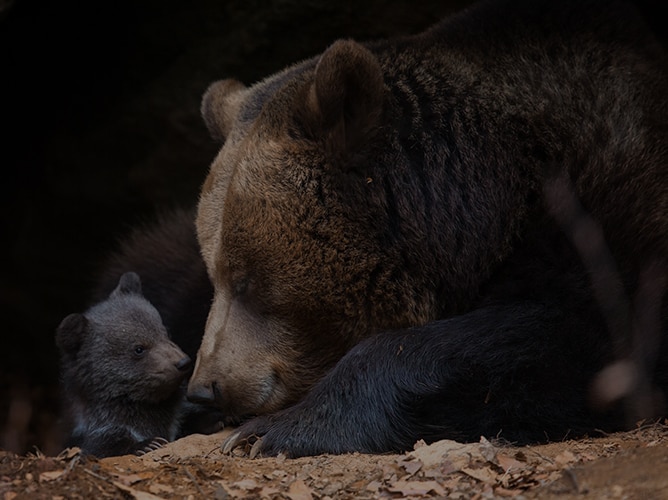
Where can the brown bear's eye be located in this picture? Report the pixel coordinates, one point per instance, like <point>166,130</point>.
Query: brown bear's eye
<point>139,350</point>
<point>241,287</point>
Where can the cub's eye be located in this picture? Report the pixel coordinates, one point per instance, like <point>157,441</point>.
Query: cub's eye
<point>139,351</point>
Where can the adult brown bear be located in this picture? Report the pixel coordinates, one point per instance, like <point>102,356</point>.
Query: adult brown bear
<point>436,236</point>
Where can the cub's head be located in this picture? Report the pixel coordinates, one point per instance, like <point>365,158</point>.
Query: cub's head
<point>120,348</point>
<point>295,230</point>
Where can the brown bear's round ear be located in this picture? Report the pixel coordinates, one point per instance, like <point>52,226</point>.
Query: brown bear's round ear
<point>347,95</point>
<point>220,105</point>
<point>71,332</point>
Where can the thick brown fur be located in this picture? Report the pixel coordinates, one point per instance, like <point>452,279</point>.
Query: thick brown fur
<point>381,248</point>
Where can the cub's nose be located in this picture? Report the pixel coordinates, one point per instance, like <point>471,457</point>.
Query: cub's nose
<point>201,394</point>
<point>184,364</point>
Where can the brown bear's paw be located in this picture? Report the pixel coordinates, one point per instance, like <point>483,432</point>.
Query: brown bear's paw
<point>249,438</point>
<point>290,432</point>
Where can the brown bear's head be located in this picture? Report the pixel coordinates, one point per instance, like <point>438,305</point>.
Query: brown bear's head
<point>296,231</point>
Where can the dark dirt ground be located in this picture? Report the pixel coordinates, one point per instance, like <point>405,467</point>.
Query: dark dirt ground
<point>631,465</point>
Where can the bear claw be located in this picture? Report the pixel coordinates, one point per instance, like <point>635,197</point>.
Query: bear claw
<point>155,444</point>
<point>230,443</point>
<point>256,448</point>
<point>250,441</point>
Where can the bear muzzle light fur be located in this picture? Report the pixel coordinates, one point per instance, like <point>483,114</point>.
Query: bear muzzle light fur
<point>248,383</point>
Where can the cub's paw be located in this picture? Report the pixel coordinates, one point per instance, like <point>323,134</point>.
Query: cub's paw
<point>151,445</point>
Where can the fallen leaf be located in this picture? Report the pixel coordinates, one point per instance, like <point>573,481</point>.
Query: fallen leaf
<point>485,474</point>
<point>487,450</point>
<point>508,463</point>
<point>373,486</point>
<point>299,491</point>
<point>130,479</point>
<point>410,465</point>
<point>268,492</point>
<point>51,475</point>
<point>420,443</point>
<point>409,488</point>
<point>459,454</point>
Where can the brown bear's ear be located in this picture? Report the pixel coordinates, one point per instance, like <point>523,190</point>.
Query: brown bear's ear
<point>130,283</point>
<point>70,333</point>
<point>346,98</point>
<point>220,106</point>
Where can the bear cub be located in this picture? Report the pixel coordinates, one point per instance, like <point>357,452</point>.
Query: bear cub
<point>122,376</point>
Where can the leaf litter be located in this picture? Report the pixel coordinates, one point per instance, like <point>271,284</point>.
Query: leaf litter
<point>624,465</point>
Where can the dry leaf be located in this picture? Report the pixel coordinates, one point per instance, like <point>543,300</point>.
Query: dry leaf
<point>373,486</point>
<point>414,488</point>
<point>410,465</point>
<point>458,454</point>
<point>299,491</point>
<point>130,479</point>
<point>485,474</point>
<point>51,475</point>
<point>419,444</point>
<point>487,450</point>
<point>268,492</point>
<point>508,463</point>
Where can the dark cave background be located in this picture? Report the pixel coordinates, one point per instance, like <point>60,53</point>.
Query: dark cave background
<point>100,128</point>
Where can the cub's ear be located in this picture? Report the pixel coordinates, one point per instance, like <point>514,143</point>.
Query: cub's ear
<point>71,332</point>
<point>220,106</point>
<point>130,283</point>
<point>346,98</point>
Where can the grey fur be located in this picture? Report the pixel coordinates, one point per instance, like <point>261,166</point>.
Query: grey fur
<point>121,374</point>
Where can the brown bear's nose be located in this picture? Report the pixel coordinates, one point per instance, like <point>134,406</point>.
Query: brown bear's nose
<point>202,394</point>
<point>183,364</point>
